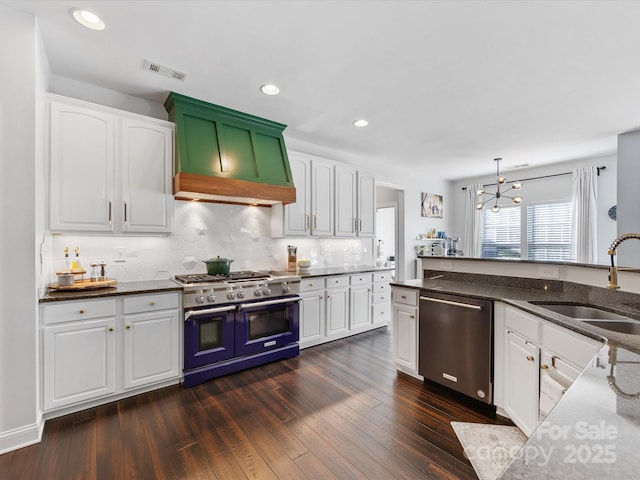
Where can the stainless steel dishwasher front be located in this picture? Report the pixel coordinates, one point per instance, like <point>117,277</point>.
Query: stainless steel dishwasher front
<point>456,343</point>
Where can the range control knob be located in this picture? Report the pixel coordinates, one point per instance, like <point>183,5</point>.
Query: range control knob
<point>266,292</point>
<point>231,295</point>
<point>258,293</point>
<point>211,297</point>
<point>200,299</point>
<point>286,289</point>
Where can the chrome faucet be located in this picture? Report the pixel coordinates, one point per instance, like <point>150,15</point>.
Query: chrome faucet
<point>613,271</point>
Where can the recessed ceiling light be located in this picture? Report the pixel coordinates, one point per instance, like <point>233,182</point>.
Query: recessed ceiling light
<point>361,123</point>
<point>270,89</point>
<point>88,19</point>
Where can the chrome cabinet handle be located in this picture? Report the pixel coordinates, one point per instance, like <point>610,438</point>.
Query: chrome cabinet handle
<point>315,222</point>
<point>306,221</point>
<point>125,212</point>
<point>530,358</point>
<point>109,211</point>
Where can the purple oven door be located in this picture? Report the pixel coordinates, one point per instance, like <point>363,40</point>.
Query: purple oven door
<point>266,325</point>
<point>208,335</point>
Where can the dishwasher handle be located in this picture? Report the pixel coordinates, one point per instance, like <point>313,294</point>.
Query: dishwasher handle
<point>449,302</point>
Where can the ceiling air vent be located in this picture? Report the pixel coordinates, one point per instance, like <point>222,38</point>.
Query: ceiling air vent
<point>166,71</point>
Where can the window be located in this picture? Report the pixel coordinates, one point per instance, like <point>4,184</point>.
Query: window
<point>501,233</point>
<point>549,231</point>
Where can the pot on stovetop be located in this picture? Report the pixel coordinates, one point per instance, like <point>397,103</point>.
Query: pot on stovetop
<point>218,266</point>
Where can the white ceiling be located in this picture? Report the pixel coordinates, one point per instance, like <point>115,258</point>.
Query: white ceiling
<point>445,85</point>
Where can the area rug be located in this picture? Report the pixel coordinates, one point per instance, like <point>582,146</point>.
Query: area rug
<point>489,448</point>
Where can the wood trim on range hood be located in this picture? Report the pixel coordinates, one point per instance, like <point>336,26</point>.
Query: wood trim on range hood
<point>190,186</point>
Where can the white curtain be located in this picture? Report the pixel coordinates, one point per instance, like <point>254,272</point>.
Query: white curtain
<point>585,228</point>
<point>472,243</point>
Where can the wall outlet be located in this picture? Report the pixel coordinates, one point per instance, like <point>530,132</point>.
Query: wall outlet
<point>446,265</point>
<point>549,272</point>
<point>120,255</point>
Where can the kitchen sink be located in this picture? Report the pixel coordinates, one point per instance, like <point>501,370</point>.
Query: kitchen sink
<point>594,316</point>
<point>629,326</point>
<point>580,312</point>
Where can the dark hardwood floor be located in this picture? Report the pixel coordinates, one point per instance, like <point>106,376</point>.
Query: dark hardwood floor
<point>338,411</point>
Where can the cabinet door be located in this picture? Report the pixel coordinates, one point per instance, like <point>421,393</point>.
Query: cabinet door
<point>79,362</point>
<point>366,205</point>
<point>522,382</point>
<point>146,154</point>
<point>321,198</point>
<point>345,221</point>
<point>151,352</point>
<point>337,311</point>
<point>360,312</point>
<point>81,163</point>
<point>311,318</point>
<point>296,215</point>
<point>405,337</point>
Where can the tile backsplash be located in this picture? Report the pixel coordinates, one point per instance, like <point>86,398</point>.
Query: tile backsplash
<point>202,231</point>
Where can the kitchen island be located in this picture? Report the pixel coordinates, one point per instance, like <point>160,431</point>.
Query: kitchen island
<point>594,429</point>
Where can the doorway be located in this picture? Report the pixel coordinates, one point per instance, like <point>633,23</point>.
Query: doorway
<point>390,226</point>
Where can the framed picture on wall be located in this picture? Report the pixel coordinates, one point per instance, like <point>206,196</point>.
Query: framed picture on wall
<point>432,205</point>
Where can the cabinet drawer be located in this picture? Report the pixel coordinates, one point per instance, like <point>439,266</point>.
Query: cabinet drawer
<point>309,284</point>
<point>523,323</point>
<point>360,279</point>
<point>405,295</point>
<point>381,313</point>
<point>569,346</point>
<point>381,297</point>
<point>381,287</point>
<point>79,310</point>
<point>341,281</point>
<point>151,302</point>
<point>382,276</point>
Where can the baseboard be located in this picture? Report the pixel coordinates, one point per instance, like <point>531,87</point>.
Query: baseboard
<point>22,436</point>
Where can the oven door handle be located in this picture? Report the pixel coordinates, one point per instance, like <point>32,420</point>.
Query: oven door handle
<point>194,313</point>
<point>244,306</point>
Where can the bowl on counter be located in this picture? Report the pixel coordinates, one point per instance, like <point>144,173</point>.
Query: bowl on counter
<point>304,264</point>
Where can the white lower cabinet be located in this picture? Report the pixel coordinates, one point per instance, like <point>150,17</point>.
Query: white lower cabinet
<point>522,382</point>
<point>337,306</point>
<point>381,298</point>
<point>405,331</point>
<point>151,348</point>
<point>312,312</point>
<point>529,346</point>
<point>96,349</point>
<point>333,307</point>
<point>360,301</point>
<point>79,362</point>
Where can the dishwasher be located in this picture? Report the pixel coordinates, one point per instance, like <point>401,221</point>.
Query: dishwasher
<point>456,343</point>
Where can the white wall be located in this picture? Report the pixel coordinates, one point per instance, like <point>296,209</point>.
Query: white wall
<point>551,189</point>
<point>18,285</point>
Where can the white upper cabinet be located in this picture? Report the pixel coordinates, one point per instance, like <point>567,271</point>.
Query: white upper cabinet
<point>81,168</point>
<point>355,203</point>
<point>109,170</point>
<point>312,213</point>
<point>147,203</point>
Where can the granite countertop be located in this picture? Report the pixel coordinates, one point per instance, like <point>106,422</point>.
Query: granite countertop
<point>594,431</point>
<point>520,298</point>
<point>329,271</point>
<point>122,288</point>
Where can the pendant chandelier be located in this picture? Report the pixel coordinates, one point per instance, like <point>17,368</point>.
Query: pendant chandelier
<point>500,182</point>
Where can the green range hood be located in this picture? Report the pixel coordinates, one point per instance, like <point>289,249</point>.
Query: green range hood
<point>227,156</point>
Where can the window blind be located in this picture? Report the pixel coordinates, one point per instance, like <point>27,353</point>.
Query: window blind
<point>501,233</point>
<point>549,231</point>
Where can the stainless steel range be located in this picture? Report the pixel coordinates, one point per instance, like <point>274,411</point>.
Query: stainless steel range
<point>237,321</point>
<point>202,289</point>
